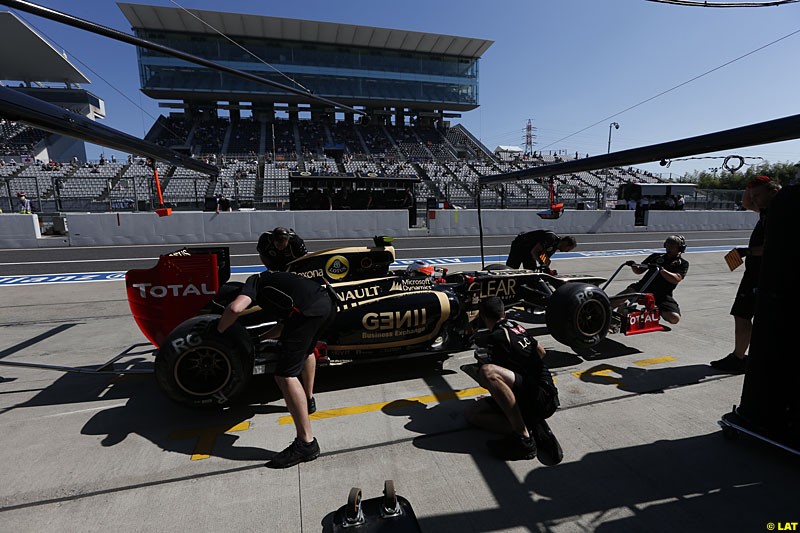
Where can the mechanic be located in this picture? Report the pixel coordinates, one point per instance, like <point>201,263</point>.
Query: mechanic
<point>757,196</point>
<point>534,249</point>
<point>305,308</point>
<point>512,370</point>
<point>279,247</point>
<point>673,269</point>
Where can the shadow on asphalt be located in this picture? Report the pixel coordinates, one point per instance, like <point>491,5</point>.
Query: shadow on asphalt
<point>694,484</point>
<point>642,380</point>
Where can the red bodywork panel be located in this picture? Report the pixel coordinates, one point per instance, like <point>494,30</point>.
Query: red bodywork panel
<point>175,289</point>
<point>643,320</point>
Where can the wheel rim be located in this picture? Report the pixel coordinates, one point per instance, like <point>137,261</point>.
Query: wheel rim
<point>591,318</point>
<point>203,371</point>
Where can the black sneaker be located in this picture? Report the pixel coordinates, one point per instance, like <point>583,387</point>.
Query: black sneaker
<point>549,449</point>
<point>312,406</point>
<point>731,364</point>
<point>297,452</point>
<point>513,448</point>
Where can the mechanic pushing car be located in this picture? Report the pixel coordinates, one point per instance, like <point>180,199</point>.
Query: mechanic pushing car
<point>534,249</point>
<point>512,370</point>
<point>672,270</point>
<point>279,247</point>
<point>305,308</point>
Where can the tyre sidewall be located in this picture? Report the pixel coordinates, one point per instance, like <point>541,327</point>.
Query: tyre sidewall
<point>566,305</point>
<point>193,342</point>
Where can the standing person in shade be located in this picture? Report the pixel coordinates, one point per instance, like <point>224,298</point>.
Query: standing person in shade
<point>305,309</point>
<point>277,248</point>
<point>24,204</point>
<point>410,203</point>
<point>757,196</point>
<point>673,270</point>
<point>534,249</point>
<point>521,387</point>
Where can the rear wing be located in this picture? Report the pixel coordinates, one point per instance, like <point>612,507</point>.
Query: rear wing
<point>177,288</point>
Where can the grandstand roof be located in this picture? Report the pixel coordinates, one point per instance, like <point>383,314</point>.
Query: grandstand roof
<point>34,59</point>
<point>239,24</point>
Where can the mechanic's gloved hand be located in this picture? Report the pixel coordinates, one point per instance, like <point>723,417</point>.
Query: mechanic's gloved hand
<point>630,263</point>
<point>552,272</point>
<point>743,252</point>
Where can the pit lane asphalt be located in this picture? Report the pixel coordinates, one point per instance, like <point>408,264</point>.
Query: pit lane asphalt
<point>32,261</point>
<point>637,423</point>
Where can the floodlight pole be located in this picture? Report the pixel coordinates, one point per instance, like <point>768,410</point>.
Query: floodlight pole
<point>616,126</point>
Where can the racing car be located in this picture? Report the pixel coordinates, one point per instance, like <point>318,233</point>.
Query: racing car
<point>417,311</point>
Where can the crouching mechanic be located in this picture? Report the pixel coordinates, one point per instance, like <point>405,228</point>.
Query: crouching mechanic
<point>512,370</point>
<point>305,309</point>
<point>673,270</point>
<point>279,247</point>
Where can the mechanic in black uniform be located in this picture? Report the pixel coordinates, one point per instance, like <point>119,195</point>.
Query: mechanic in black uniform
<point>673,269</point>
<point>535,248</point>
<point>757,195</point>
<point>305,308</point>
<point>277,248</point>
<point>512,370</point>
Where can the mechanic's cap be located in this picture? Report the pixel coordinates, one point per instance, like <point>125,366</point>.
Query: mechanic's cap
<point>757,181</point>
<point>280,233</point>
<point>20,194</point>
<point>420,268</point>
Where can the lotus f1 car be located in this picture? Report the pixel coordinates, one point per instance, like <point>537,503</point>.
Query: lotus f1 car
<point>381,314</point>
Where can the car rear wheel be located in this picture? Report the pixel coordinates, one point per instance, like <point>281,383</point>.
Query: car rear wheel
<point>578,315</point>
<point>197,366</point>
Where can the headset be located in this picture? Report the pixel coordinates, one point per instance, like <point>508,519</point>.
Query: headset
<point>677,239</point>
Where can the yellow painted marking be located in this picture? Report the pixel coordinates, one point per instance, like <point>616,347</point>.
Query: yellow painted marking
<point>206,438</point>
<point>370,407</point>
<point>605,373</point>
<point>655,360</point>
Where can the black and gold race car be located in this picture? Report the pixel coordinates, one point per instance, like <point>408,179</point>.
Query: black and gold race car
<point>417,311</point>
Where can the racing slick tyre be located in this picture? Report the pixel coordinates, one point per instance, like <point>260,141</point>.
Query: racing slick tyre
<point>578,315</point>
<point>196,366</point>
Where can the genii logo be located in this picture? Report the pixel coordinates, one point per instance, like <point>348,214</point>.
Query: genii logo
<point>337,267</point>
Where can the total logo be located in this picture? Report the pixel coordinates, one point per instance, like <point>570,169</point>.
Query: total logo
<point>337,267</point>
<point>160,291</point>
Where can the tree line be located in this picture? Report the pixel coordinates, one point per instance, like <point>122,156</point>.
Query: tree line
<point>719,178</point>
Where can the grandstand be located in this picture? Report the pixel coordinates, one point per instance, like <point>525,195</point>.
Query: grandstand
<point>409,85</point>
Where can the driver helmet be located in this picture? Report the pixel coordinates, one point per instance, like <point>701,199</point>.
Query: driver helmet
<point>677,239</point>
<point>418,269</point>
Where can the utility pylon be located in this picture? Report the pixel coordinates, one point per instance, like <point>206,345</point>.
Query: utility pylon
<point>529,138</point>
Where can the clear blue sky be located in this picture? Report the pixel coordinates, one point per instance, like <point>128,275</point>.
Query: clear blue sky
<point>565,64</point>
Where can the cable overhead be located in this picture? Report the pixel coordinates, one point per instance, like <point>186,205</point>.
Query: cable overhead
<point>696,3</point>
<point>90,69</point>
<point>662,93</point>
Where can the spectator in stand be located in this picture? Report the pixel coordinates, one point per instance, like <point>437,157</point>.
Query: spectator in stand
<point>680,202</point>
